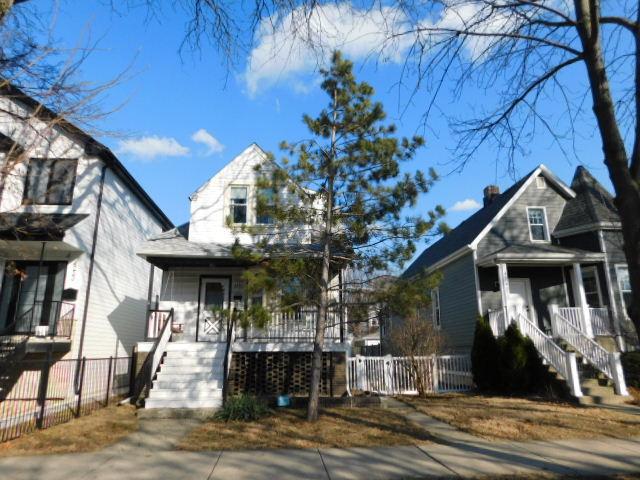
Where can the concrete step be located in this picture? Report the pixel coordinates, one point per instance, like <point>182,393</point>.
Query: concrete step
<point>598,390</point>
<point>211,354</point>
<point>188,377</point>
<point>603,400</point>
<point>193,361</point>
<point>194,346</point>
<point>596,382</point>
<point>173,403</point>
<point>185,394</point>
<point>186,384</point>
<point>191,369</point>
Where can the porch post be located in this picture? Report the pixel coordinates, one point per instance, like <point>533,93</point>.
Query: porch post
<point>503,277</point>
<point>581,300</point>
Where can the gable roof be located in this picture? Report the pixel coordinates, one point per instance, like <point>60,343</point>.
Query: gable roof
<point>474,228</point>
<point>253,148</point>
<point>593,204</point>
<point>91,146</point>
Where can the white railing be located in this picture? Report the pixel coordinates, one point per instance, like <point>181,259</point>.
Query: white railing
<point>600,321</point>
<point>155,322</point>
<point>598,317</point>
<point>497,321</point>
<point>564,362</point>
<point>398,375</point>
<point>294,326</point>
<point>605,361</point>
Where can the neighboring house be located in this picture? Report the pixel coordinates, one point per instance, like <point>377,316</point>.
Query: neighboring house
<point>203,277</point>
<point>543,253</point>
<point>71,218</point>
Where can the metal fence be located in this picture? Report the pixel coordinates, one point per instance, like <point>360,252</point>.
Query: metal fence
<point>38,394</point>
<point>400,375</point>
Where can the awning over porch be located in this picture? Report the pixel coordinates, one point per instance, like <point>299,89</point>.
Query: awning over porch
<point>37,226</point>
<point>543,254</point>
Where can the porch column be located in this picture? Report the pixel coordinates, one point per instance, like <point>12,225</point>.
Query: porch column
<point>581,300</point>
<point>503,278</point>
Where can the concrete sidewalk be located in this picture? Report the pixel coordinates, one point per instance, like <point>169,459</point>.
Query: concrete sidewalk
<point>456,459</point>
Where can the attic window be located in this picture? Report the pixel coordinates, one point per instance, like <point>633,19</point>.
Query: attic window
<point>239,204</point>
<point>541,182</point>
<point>537,217</point>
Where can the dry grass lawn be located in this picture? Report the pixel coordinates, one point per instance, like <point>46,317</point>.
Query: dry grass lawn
<point>85,434</point>
<point>337,427</point>
<point>635,393</point>
<point>500,418</point>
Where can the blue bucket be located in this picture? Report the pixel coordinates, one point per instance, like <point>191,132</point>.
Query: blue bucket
<point>284,401</point>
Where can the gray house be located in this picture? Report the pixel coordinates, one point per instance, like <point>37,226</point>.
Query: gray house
<point>542,253</point>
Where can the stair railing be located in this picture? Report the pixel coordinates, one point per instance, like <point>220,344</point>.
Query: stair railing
<point>149,368</point>
<point>605,361</point>
<point>564,362</point>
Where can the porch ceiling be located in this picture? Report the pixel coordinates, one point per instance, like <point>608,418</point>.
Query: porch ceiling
<point>543,254</point>
<point>31,250</point>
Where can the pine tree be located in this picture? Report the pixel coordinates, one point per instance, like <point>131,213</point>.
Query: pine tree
<point>338,200</point>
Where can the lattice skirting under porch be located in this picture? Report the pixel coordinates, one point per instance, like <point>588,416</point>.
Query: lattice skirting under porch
<point>273,373</point>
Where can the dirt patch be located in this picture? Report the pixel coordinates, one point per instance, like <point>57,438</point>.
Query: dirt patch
<point>500,418</point>
<point>85,434</point>
<point>337,427</point>
<point>635,394</point>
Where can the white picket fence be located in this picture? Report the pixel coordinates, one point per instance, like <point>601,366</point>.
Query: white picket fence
<point>397,375</point>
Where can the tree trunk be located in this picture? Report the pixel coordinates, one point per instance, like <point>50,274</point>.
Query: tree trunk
<point>318,342</point>
<point>615,156</point>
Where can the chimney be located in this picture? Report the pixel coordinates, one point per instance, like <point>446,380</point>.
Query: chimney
<point>490,193</point>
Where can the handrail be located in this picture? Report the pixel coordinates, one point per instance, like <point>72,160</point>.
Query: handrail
<point>61,325</point>
<point>605,361</point>
<point>563,362</point>
<point>151,363</point>
<point>228,353</point>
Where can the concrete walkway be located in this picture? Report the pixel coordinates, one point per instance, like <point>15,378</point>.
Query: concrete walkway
<point>475,458</point>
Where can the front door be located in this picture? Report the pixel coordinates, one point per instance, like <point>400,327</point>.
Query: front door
<point>520,298</point>
<point>214,309</point>
<point>31,294</point>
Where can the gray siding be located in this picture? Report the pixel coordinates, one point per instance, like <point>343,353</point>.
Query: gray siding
<point>513,227</point>
<point>458,303</point>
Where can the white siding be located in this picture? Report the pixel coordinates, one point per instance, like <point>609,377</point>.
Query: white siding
<point>119,289</point>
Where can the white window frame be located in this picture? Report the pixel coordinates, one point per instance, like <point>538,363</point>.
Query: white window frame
<point>541,182</point>
<point>246,205</point>
<point>546,224</point>
<point>618,267</point>
<point>597,277</point>
<point>436,308</point>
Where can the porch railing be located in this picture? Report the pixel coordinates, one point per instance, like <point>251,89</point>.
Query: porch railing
<point>598,317</point>
<point>156,321</point>
<point>605,361</point>
<point>294,326</point>
<point>58,315</point>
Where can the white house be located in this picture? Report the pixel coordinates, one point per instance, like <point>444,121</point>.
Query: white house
<point>71,218</point>
<point>201,274</point>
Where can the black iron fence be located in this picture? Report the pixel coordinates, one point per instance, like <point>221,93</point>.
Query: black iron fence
<point>50,318</point>
<point>42,393</point>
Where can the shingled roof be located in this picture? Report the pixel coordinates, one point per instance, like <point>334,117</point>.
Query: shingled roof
<point>465,233</point>
<point>593,204</point>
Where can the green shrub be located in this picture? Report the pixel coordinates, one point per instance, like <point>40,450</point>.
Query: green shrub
<point>245,408</point>
<point>509,364</point>
<point>485,356</point>
<point>631,366</point>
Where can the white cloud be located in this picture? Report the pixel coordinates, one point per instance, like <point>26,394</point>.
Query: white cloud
<point>465,205</point>
<point>283,50</point>
<point>150,147</point>
<point>205,138</point>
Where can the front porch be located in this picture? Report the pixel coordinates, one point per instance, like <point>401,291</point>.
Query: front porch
<point>573,285</point>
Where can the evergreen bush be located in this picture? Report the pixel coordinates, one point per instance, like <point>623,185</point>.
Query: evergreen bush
<point>631,367</point>
<point>485,356</point>
<point>244,408</point>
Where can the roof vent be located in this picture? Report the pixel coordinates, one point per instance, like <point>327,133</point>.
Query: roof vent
<point>490,193</point>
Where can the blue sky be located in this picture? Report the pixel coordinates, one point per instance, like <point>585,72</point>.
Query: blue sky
<point>169,98</point>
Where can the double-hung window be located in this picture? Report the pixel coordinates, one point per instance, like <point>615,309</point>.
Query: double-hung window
<point>50,181</point>
<point>435,305</point>
<point>239,205</point>
<point>591,286</point>
<point>537,224</point>
<point>264,207</point>
<point>624,284</point>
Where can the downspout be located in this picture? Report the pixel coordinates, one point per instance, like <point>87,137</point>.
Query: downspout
<point>91,264</point>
